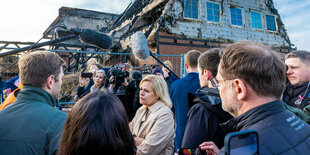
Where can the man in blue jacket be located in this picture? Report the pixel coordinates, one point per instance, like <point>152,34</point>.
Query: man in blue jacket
<point>251,80</point>
<point>31,125</point>
<point>179,91</point>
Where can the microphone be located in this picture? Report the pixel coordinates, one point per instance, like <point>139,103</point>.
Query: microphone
<point>92,37</point>
<point>96,38</point>
<point>141,51</point>
<point>139,46</point>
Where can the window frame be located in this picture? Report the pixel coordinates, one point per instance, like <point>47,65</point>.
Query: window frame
<point>242,16</point>
<point>275,22</point>
<point>198,10</point>
<point>219,10</point>
<point>261,20</point>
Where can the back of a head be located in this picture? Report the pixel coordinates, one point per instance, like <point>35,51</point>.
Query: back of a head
<point>210,60</point>
<point>99,66</point>
<point>257,65</point>
<point>35,67</point>
<point>160,87</point>
<point>304,56</point>
<point>191,58</point>
<point>97,124</point>
<point>168,64</point>
<point>157,70</point>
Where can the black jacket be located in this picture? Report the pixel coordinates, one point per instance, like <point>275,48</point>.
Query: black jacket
<point>127,95</point>
<point>82,91</point>
<point>170,79</point>
<point>297,96</point>
<point>279,130</point>
<point>203,121</point>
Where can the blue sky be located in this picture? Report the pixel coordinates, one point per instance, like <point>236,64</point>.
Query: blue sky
<point>295,15</point>
<point>26,20</point>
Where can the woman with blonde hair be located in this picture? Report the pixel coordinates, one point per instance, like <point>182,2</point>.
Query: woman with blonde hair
<point>169,77</point>
<point>99,79</point>
<point>153,125</point>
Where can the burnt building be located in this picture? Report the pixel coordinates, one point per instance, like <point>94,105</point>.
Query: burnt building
<point>174,27</point>
<point>78,19</point>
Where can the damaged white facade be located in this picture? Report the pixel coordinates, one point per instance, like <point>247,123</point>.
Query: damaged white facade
<point>80,19</point>
<point>199,27</point>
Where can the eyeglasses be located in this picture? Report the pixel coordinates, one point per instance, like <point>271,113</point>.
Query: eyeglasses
<point>214,82</point>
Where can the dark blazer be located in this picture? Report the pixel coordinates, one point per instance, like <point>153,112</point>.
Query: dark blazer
<point>179,91</point>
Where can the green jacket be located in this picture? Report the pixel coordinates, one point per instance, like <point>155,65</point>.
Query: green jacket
<point>301,114</point>
<point>306,110</point>
<point>31,125</point>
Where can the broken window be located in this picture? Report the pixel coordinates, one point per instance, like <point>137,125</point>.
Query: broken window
<point>213,12</point>
<point>236,16</point>
<point>256,20</point>
<point>191,9</point>
<point>271,23</point>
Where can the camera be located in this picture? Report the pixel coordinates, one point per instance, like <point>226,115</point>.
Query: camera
<point>86,74</point>
<point>136,75</point>
<point>119,75</point>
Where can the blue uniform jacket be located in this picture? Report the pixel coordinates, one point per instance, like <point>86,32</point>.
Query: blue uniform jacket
<point>179,96</point>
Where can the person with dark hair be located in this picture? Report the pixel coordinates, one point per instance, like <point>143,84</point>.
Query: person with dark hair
<point>179,91</point>
<point>206,109</point>
<point>157,71</point>
<point>251,79</point>
<point>97,124</point>
<point>297,92</point>
<point>31,124</point>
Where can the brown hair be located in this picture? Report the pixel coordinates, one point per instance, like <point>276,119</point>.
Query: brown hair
<point>97,124</point>
<point>36,67</point>
<point>257,65</point>
<point>191,58</point>
<point>209,60</point>
<point>304,56</point>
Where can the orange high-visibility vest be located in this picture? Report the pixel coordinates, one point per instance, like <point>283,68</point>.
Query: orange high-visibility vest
<point>11,98</point>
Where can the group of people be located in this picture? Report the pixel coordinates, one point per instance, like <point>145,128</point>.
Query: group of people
<point>244,86</point>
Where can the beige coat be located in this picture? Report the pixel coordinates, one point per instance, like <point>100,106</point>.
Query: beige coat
<point>157,130</point>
